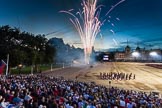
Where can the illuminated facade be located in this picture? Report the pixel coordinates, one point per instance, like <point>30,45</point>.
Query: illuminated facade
<point>138,54</point>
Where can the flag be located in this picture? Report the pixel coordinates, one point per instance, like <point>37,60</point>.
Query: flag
<point>2,66</point>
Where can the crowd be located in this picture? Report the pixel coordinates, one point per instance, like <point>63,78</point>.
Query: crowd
<point>40,91</point>
<point>117,76</point>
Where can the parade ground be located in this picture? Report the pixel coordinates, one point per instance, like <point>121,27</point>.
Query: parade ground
<point>148,79</point>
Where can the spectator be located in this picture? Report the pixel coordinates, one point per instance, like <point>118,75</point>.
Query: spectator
<point>38,91</point>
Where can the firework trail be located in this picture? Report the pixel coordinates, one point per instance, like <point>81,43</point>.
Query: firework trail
<point>118,19</point>
<point>116,43</point>
<point>87,23</point>
<point>112,24</point>
<point>113,7</point>
<point>112,31</point>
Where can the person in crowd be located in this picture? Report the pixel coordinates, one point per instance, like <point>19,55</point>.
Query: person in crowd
<point>40,91</point>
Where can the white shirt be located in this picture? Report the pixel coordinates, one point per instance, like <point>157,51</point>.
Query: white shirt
<point>27,97</point>
<point>129,105</point>
<point>4,104</point>
<point>122,103</point>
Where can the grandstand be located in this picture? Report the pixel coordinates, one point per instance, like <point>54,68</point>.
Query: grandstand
<point>81,87</point>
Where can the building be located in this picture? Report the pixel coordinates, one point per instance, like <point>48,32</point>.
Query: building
<point>138,54</point>
<point>120,55</point>
<point>123,55</point>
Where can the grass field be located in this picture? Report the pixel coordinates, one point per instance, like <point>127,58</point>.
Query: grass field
<point>27,69</point>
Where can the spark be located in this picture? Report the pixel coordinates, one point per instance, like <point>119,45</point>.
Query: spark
<point>70,10</point>
<point>113,7</point>
<point>118,19</point>
<point>112,24</point>
<point>112,31</point>
<point>116,43</point>
<point>101,36</point>
<point>87,24</point>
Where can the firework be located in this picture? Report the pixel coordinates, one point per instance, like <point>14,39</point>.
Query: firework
<point>87,24</point>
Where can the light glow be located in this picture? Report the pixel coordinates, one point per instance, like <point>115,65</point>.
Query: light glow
<point>153,54</point>
<point>135,54</point>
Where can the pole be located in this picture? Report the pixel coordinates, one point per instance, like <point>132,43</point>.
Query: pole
<point>32,69</point>
<point>63,65</point>
<point>51,66</point>
<point>7,64</point>
<point>109,85</point>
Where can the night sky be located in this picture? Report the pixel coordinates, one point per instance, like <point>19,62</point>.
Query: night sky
<point>140,21</point>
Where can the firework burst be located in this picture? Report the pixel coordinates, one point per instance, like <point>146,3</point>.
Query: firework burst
<point>87,23</point>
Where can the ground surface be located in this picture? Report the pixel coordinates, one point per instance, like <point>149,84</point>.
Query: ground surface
<point>148,79</point>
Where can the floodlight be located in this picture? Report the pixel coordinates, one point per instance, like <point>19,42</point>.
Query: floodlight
<point>135,54</point>
<point>153,54</point>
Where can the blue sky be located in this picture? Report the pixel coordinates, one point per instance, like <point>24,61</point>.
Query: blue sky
<point>140,21</point>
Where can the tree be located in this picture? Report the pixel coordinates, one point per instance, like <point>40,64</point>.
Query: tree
<point>24,48</point>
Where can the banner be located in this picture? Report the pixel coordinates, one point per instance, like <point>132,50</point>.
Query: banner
<point>2,66</point>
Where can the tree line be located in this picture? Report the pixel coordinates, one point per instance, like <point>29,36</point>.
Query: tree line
<point>24,48</point>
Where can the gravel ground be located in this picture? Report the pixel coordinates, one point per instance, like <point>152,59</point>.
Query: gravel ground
<point>148,79</point>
